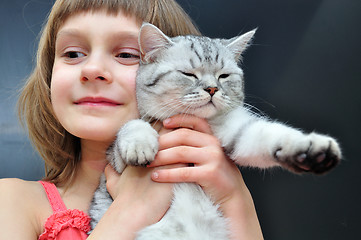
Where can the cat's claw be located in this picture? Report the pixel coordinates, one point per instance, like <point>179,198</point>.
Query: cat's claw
<point>321,156</point>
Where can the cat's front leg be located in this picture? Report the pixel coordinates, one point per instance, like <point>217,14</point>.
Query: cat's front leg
<point>258,142</point>
<point>136,144</point>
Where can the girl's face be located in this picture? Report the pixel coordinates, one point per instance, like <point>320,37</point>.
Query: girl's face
<point>93,78</point>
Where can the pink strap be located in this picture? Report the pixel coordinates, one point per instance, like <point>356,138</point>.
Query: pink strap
<point>54,197</point>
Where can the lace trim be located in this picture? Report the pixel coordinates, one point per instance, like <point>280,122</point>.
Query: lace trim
<point>64,219</point>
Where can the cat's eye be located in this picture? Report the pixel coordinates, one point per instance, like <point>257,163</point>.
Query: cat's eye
<point>189,74</point>
<point>222,76</point>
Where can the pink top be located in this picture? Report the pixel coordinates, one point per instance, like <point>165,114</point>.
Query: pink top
<point>63,224</point>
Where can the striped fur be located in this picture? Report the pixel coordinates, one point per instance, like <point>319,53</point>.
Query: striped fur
<point>201,76</point>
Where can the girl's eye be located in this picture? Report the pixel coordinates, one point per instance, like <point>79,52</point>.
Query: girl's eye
<point>73,54</point>
<point>128,58</point>
<point>127,55</point>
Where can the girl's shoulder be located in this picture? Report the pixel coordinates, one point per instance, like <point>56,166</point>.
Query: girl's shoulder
<point>20,190</point>
<point>9,183</point>
<point>23,204</point>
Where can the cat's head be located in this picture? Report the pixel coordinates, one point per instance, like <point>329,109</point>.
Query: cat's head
<point>189,74</point>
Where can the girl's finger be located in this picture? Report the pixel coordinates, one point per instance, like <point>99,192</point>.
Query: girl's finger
<point>109,172</point>
<point>112,177</point>
<point>178,154</point>
<point>188,121</point>
<point>186,137</point>
<point>176,175</point>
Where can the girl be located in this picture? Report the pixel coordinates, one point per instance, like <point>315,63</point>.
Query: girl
<point>80,93</point>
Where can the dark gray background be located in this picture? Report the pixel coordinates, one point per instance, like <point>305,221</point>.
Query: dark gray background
<point>303,68</point>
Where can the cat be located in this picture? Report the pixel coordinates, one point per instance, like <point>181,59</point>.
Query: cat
<point>201,76</point>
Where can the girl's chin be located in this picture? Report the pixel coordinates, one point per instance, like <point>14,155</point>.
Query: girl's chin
<point>98,135</point>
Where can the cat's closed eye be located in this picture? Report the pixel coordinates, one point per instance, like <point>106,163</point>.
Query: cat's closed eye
<point>222,76</point>
<point>188,74</point>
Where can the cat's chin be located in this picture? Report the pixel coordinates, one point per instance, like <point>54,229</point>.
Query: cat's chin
<point>207,111</point>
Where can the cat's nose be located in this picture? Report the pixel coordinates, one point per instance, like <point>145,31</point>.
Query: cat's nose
<point>211,90</point>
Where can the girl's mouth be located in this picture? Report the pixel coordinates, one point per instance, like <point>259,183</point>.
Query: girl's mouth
<point>96,101</point>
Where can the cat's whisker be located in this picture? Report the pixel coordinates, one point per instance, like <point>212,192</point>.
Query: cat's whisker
<point>225,103</point>
<point>153,114</point>
<point>172,107</point>
<point>186,111</point>
<point>250,108</point>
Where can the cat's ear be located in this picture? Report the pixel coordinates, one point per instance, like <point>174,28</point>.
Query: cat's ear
<point>151,41</point>
<point>239,44</point>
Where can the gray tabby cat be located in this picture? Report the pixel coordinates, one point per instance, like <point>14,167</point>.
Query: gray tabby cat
<point>201,76</point>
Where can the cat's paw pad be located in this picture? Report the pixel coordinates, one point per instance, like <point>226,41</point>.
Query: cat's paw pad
<point>321,155</point>
<point>137,143</point>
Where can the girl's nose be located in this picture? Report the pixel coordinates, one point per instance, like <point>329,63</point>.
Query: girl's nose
<point>94,70</point>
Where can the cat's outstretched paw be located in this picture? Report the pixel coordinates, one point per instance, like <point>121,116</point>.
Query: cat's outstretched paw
<point>137,143</point>
<point>316,154</point>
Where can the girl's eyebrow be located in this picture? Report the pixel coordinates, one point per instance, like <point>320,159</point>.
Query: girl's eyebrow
<point>123,35</point>
<point>69,32</point>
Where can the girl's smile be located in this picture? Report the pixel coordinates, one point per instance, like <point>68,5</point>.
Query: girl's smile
<point>97,102</point>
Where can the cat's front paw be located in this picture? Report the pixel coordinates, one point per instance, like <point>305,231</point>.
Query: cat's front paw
<point>315,153</point>
<point>137,143</point>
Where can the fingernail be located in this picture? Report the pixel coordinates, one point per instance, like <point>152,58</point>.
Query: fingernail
<point>167,121</point>
<point>155,175</point>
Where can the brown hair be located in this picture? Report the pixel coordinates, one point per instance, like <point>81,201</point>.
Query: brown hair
<point>60,149</point>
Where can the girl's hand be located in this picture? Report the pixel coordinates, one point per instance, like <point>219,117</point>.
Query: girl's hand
<point>138,202</point>
<point>189,140</point>
<point>135,189</point>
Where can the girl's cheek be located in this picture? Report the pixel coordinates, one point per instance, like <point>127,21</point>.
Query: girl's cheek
<point>56,66</point>
<point>132,83</point>
<point>62,74</point>
<point>54,75</point>
<point>131,78</point>
<point>60,84</point>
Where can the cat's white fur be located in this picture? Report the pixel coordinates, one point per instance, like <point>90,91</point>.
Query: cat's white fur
<point>216,93</point>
